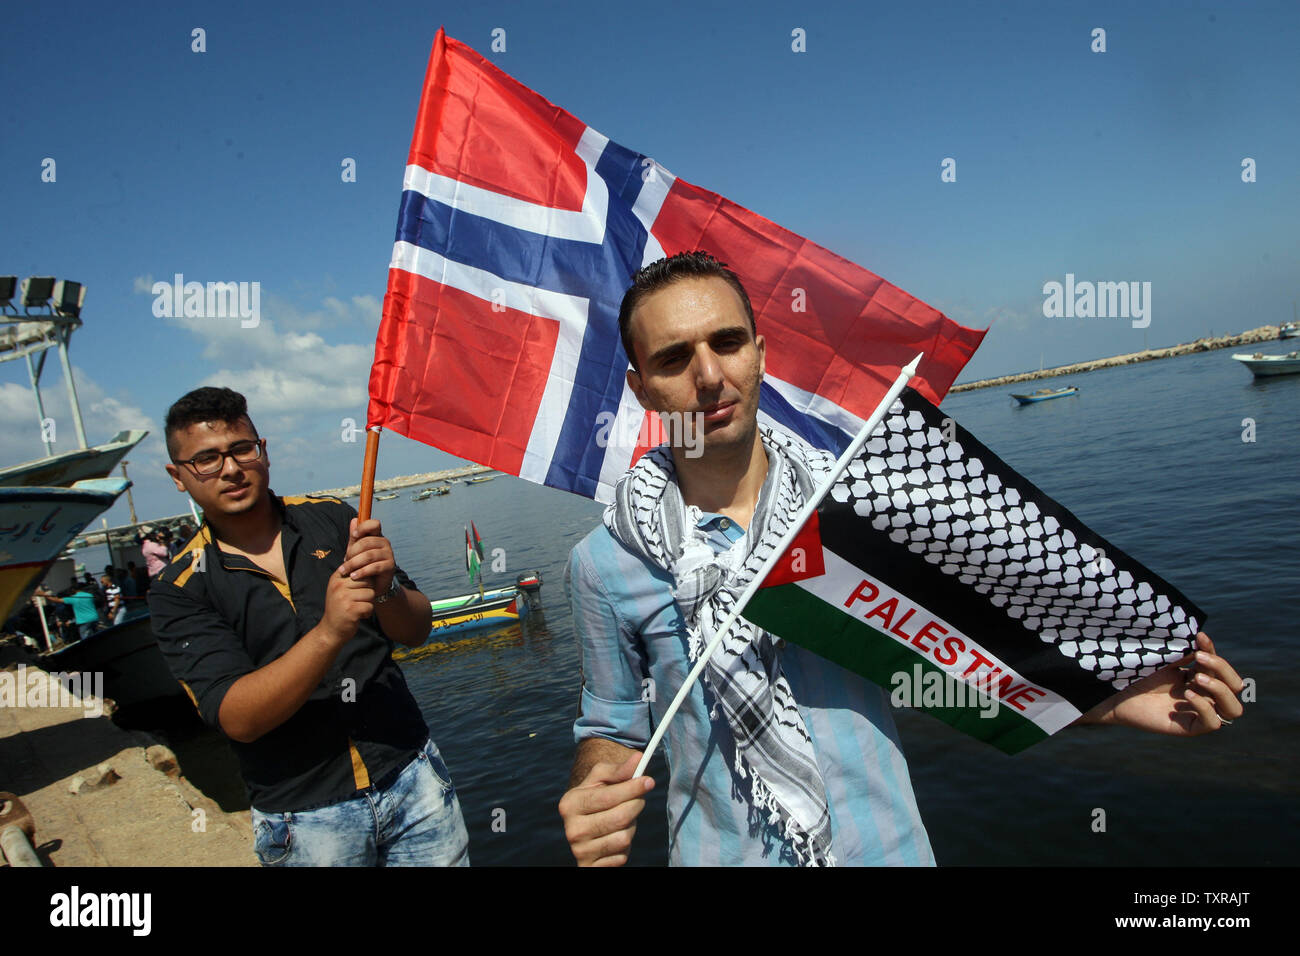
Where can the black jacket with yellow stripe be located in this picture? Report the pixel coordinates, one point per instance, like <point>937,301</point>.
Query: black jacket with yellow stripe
<point>218,616</point>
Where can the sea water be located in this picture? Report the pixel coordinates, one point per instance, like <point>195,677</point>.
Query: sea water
<point>1157,457</point>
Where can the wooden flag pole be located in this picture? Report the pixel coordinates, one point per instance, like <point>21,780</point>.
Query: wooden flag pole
<point>368,474</point>
<point>796,526</point>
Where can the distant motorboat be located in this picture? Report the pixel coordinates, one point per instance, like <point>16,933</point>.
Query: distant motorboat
<point>1289,331</point>
<point>388,497</point>
<point>1043,394</point>
<point>479,479</point>
<point>1264,366</point>
<point>421,495</point>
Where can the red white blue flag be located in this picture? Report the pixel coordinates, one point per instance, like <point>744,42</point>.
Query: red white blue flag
<point>519,230</point>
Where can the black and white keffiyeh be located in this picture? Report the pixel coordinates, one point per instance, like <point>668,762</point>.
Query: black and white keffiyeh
<point>773,747</point>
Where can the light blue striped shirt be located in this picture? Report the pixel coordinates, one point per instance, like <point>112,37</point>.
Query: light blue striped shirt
<point>634,660</point>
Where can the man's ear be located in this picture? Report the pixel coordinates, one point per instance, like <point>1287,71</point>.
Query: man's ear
<point>638,389</point>
<point>761,344</point>
<point>175,472</point>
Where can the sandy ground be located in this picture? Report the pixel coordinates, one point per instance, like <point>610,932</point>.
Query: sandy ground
<point>148,816</point>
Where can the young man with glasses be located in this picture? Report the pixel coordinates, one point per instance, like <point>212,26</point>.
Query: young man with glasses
<point>278,617</point>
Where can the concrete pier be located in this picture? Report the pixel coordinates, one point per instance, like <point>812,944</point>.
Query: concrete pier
<point>103,796</point>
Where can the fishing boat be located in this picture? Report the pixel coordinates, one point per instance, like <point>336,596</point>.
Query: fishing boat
<point>60,471</point>
<point>441,490</point>
<point>1043,394</point>
<point>48,502</point>
<point>36,524</point>
<point>1265,366</point>
<point>486,608</point>
<point>128,656</point>
<point>1290,330</point>
<point>388,497</point>
<point>489,608</point>
<point>479,479</point>
<point>421,495</point>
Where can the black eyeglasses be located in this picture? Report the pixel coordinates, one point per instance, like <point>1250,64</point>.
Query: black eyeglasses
<point>211,462</point>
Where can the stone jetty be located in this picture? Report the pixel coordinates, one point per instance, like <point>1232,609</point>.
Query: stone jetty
<point>405,481</point>
<point>1264,333</point>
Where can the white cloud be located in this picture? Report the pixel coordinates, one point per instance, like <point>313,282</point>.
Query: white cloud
<point>285,367</point>
<point>143,284</point>
<point>299,385</point>
<point>102,414</point>
<point>289,393</point>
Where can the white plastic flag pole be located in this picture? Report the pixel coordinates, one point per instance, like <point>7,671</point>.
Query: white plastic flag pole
<point>796,526</point>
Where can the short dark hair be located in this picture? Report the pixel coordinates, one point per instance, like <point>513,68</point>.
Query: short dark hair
<point>663,272</point>
<point>207,404</point>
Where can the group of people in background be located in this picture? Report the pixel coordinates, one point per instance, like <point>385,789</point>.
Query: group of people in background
<point>90,604</point>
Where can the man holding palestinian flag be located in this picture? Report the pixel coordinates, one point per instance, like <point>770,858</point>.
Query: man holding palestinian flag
<point>785,756</point>
<point>920,555</point>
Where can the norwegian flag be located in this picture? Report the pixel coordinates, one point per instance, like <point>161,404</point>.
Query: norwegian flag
<point>519,230</point>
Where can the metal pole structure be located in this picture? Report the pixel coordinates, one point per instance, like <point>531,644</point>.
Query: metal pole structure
<point>18,848</point>
<point>34,374</point>
<point>129,500</point>
<point>65,333</point>
<point>17,832</point>
<point>40,610</point>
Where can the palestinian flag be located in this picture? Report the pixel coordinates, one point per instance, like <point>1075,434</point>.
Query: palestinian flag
<point>473,555</point>
<point>478,542</point>
<point>936,571</point>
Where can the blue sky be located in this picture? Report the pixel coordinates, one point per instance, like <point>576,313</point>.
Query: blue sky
<point>225,166</point>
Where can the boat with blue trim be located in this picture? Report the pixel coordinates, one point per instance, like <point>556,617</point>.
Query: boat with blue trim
<point>1043,394</point>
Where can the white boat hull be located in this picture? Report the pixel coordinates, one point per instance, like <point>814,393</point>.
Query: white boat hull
<point>60,471</point>
<point>36,524</point>
<point>1265,366</point>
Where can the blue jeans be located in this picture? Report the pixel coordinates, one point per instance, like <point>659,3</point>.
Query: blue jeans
<point>415,821</point>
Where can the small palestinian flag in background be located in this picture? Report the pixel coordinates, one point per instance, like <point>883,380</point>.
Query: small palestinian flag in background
<point>478,542</point>
<point>473,553</point>
<point>931,562</point>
